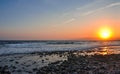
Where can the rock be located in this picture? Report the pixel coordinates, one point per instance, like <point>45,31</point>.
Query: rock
<point>75,73</point>
<point>13,67</point>
<point>16,62</point>
<point>35,69</point>
<point>117,72</point>
<point>19,70</point>
<point>42,61</point>
<point>11,60</point>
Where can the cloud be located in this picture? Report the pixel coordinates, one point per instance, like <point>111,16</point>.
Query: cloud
<point>99,9</point>
<point>69,21</point>
<point>79,12</point>
<point>89,5</point>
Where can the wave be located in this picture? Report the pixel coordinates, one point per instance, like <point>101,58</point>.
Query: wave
<point>30,47</point>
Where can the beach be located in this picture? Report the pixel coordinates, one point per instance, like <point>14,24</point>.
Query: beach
<point>59,36</point>
<point>100,60</point>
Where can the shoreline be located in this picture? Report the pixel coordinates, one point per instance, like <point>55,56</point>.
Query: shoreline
<point>66,50</point>
<point>58,62</point>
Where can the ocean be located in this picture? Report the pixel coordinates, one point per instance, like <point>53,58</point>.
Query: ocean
<point>20,46</point>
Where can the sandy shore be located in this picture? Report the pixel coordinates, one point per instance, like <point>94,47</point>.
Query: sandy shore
<point>102,60</point>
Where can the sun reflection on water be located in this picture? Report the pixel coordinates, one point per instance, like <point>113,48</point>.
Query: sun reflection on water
<point>104,51</point>
<point>108,50</point>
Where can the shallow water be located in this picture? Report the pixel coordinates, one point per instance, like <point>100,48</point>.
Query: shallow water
<point>26,63</point>
<point>107,50</point>
<point>13,47</point>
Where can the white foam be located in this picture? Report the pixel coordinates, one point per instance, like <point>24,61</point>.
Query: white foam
<point>41,47</point>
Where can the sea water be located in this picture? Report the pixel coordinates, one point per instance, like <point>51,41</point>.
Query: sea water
<point>14,47</point>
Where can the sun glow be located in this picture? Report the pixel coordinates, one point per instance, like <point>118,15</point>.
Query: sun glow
<point>105,33</point>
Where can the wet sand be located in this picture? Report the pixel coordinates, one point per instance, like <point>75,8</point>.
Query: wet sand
<point>28,63</point>
<point>102,60</point>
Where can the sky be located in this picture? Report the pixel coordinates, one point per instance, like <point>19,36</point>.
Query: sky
<point>57,19</point>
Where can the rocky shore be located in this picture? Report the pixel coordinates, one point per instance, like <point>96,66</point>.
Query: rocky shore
<point>97,64</point>
<point>93,61</point>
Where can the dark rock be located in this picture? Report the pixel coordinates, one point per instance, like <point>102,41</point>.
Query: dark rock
<point>11,60</point>
<point>13,67</point>
<point>35,69</point>
<point>42,61</point>
<point>19,70</point>
<point>16,62</point>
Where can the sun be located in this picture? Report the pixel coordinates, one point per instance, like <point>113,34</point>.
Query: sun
<point>105,33</point>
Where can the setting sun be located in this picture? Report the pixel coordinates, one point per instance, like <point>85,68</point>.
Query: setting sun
<point>105,33</point>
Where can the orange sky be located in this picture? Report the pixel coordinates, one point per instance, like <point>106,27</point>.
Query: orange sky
<point>58,20</point>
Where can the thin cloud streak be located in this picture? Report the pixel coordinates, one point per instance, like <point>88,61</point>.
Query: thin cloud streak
<point>99,9</point>
<point>69,21</point>
<point>90,12</point>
